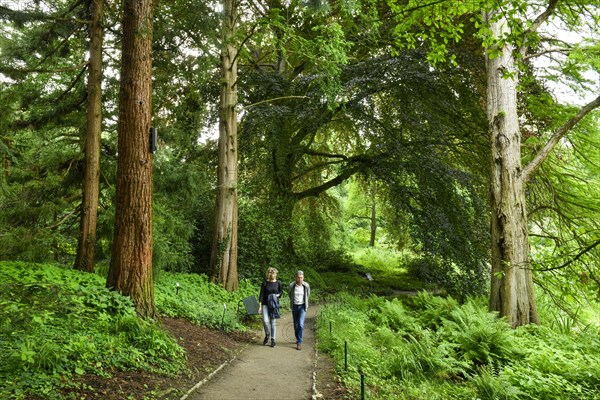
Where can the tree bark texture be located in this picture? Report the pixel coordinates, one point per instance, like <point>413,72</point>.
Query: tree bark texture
<point>91,185</point>
<point>512,292</point>
<point>223,259</point>
<point>131,264</point>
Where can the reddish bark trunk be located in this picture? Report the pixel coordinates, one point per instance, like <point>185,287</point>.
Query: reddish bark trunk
<point>131,264</point>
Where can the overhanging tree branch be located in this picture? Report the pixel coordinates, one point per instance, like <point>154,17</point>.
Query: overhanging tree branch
<point>324,154</point>
<point>577,257</point>
<point>20,16</point>
<point>11,70</point>
<point>62,220</point>
<point>274,99</point>
<point>315,191</point>
<point>543,16</point>
<point>549,51</point>
<point>26,16</point>
<point>559,134</point>
<point>358,163</point>
<point>537,22</point>
<point>316,167</point>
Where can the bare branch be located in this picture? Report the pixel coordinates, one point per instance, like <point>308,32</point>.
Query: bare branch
<point>543,16</point>
<point>577,257</point>
<point>323,154</point>
<point>315,191</point>
<point>275,99</point>
<point>8,71</point>
<point>66,217</point>
<point>259,8</point>
<point>543,154</point>
<point>358,161</point>
<point>550,51</point>
<point>536,24</point>
<point>237,53</point>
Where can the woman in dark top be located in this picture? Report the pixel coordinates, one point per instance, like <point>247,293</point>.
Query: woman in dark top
<point>268,304</point>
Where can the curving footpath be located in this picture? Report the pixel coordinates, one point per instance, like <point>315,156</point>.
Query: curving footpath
<point>264,373</point>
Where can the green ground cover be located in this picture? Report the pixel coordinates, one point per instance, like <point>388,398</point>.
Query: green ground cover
<point>433,347</point>
<point>59,323</point>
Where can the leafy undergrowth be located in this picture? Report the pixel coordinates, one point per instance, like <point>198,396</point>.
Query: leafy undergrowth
<point>383,266</point>
<point>430,347</point>
<point>59,325</point>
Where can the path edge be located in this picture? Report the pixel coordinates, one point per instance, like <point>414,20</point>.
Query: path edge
<point>213,373</point>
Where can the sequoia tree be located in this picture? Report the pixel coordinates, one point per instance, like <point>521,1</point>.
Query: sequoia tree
<point>131,263</point>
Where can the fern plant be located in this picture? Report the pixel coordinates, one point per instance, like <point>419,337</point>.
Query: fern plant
<point>480,338</point>
<point>490,386</point>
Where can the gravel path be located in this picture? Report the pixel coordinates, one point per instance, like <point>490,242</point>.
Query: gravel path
<point>265,373</point>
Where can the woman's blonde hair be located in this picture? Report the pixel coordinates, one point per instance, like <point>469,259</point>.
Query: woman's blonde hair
<point>271,269</point>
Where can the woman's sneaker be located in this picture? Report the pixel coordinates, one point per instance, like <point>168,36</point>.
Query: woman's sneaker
<point>272,342</point>
<point>266,341</point>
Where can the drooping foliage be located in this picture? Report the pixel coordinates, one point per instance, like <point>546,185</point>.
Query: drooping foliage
<point>43,100</point>
<point>326,93</point>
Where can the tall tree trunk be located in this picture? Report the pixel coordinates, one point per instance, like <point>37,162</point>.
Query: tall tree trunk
<point>89,208</point>
<point>373,223</point>
<point>131,264</point>
<point>223,258</point>
<point>512,284</point>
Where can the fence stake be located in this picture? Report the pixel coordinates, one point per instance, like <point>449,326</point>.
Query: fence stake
<point>345,355</point>
<point>362,386</point>
<point>223,319</point>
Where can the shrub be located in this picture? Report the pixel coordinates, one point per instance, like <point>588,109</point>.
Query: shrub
<point>193,297</point>
<point>458,280</point>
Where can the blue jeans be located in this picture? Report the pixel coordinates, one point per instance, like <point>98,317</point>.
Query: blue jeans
<point>270,324</point>
<point>298,313</point>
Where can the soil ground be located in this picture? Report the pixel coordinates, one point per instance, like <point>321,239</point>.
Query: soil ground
<point>227,366</point>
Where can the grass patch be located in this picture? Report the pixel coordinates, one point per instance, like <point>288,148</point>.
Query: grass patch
<point>386,268</point>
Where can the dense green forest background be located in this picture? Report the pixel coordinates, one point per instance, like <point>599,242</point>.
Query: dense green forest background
<point>361,126</point>
<point>349,120</point>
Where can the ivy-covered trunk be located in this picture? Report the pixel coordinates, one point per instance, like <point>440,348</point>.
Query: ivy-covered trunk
<point>223,259</point>
<point>86,247</point>
<point>131,264</point>
<point>512,292</point>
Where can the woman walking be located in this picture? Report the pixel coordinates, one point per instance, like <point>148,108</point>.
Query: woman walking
<point>268,305</point>
<point>299,292</point>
